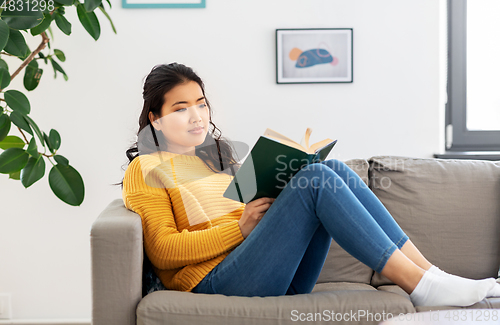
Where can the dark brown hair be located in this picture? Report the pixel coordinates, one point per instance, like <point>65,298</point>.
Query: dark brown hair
<point>216,152</point>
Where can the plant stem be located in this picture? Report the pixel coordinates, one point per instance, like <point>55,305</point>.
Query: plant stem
<point>48,157</point>
<point>40,47</point>
<point>5,53</point>
<point>25,140</point>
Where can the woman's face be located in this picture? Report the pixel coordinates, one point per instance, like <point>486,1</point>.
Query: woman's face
<point>184,118</point>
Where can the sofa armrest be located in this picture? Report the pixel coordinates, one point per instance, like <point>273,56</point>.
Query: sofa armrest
<point>116,246</point>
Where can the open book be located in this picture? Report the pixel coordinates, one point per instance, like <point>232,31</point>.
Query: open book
<point>272,162</point>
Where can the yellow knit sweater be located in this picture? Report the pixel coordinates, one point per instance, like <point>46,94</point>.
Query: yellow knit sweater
<point>188,226</point>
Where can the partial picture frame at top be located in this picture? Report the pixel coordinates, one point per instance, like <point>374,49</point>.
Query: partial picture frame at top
<point>163,3</point>
<point>314,55</point>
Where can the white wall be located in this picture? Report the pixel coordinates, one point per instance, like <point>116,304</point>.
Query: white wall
<point>391,108</point>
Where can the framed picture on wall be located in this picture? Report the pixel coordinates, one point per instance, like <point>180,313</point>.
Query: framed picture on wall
<point>163,3</point>
<point>318,55</point>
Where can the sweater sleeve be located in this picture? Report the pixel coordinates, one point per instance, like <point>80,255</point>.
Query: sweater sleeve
<point>166,246</point>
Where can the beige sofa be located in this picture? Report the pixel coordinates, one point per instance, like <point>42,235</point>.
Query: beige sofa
<point>449,208</point>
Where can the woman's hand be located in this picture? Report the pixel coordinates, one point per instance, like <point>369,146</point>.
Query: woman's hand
<point>254,211</point>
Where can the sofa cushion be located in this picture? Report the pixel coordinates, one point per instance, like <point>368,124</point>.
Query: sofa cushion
<point>339,265</point>
<point>449,208</point>
<point>334,286</point>
<point>394,289</point>
<point>488,303</point>
<point>176,307</point>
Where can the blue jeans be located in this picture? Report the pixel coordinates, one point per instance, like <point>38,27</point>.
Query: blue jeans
<point>285,252</point>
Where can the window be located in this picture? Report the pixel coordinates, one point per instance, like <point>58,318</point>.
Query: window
<point>473,107</point>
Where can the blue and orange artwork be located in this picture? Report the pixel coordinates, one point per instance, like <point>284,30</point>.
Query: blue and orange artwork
<point>311,57</point>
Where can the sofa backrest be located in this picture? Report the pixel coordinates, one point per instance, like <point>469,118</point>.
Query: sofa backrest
<point>449,208</point>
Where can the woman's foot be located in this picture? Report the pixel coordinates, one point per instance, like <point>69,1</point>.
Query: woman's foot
<point>436,290</point>
<point>493,292</point>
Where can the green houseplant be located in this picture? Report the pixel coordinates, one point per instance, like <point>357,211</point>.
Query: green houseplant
<point>23,158</point>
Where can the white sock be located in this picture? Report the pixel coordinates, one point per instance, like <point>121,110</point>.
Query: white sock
<point>493,292</point>
<point>435,290</point>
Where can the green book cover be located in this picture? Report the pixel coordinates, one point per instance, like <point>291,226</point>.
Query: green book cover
<point>269,167</point>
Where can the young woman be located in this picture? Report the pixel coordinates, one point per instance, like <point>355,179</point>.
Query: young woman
<point>199,241</point>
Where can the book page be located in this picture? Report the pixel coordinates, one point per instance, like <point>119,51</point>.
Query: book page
<point>305,139</point>
<point>319,145</point>
<point>304,146</point>
<point>277,135</point>
<point>282,139</point>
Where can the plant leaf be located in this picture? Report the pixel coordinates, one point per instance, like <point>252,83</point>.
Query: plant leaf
<point>91,5</point>
<point>47,141</point>
<point>34,127</point>
<point>63,24</point>
<point>53,67</point>
<point>33,148</point>
<point>51,35</point>
<point>4,78</point>
<point>5,124</point>
<point>40,54</point>
<point>25,56</point>
<point>17,101</point>
<point>13,160</point>
<point>60,55</point>
<point>66,2</point>
<point>57,67</point>
<point>107,16</point>
<point>89,21</point>
<point>42,27</point>
<point>33,63</point>
<point>67,184</point>
<point>4,34</point>
<point>16,45</point>
<point>11,141</point>
<point>61,160</point>
<point>33,171</point>
<point>61,10</point>
<point>55,139</point>
<point>16,175</point>
<point>4,65</point>
<point>19,120</point>
<point>23,16</point>
<point>32,77</point>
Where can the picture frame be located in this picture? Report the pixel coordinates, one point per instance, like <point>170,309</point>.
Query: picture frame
<point>163,3</point>
<point>314,55</point>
